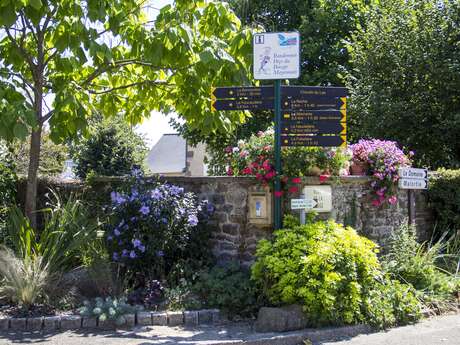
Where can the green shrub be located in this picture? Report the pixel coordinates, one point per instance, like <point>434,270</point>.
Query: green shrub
<point>444,197</point>
<point>417,264</point>
<point>229,289</point>
<point>333,273</point>
<point>107,309</point>
<point>8,183</point>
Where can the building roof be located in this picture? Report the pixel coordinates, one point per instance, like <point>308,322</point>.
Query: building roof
<point>168,155</point>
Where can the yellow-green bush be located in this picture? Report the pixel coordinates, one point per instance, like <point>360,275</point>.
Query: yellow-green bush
<point>331,271</point>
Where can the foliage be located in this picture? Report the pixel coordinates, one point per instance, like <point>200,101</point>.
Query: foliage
<point>417,264</point>
<point>108,57</point>
<point>404,75</point>
<point>66,229</point>
<point>182,297</point>
<point>150,297</point>
<point>111,149</point>
<point>152,224</point>
<point>255,157</point>
<point>333,273</point>
<point>52,156</point>
<point>383,159</point>
<point>229,289</point>
<point>107,309</point>
<point>8,185</point>
<point>24,279</point>
<point>444,197</point>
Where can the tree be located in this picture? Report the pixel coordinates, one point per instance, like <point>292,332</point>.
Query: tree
<point>111,149</point>
<point>63,60</point>
<point>324,28</point>
<point>405,78</point>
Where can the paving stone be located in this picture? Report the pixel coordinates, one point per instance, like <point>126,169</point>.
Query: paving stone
<point>51,323</point>
<point>70,322</point>
<point>204,316</point>
<point>18,324</point>
<point>130,320</point>
<point>4,324</point>
<point>175,318</point>
<point>144,318</point>
<point>191,318</point>
<point>159,319</point>
<point>89,322</point>
<point>35,324</point>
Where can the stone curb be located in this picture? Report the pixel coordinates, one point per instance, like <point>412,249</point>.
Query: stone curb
<point>143,318</point>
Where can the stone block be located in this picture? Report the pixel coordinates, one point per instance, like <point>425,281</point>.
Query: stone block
<point>208,316</point>
<point>107,324</point>
<point>283,319</point>
<point>175,318</point>
<point>159,319</point>
<point>191,318</point>
<point>35,324</point>
<point>51,323</point>
<point>144,318</point>
<point>227,208</point>
<point>231,229</point>
<point>70,322</point>
<point>18,324</point>
<point>89,322</point>
<point>130,320</point>
<point>218,199</point>
<point>4,324</point>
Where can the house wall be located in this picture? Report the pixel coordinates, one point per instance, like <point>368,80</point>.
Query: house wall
<point>234,237</point>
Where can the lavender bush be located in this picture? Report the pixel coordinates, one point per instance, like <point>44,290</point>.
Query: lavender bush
<point>152,225</point>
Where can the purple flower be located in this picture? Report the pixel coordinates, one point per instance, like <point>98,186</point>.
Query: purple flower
<point>145,210</point>
<point>141,248</point>
<point>117,198</point>
<point>124,253</point>
<point>116,232</point>
<point>176,190</point>
<point>115,256</point>
<point>156,194</point>
<point>132,254</point>
<point>192,220</point>
<point>109,238</point>
<point>164,220</point>
<point>136,243</point>
<point>160,253</point>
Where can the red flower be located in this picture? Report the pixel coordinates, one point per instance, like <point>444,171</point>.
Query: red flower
<point>293,189</point>
<point>259,176</point>
<point>270,175</point>
<point>230,171</point>
<point>296,180</point>
<point>323,178</point>
<point>376,202</point>
<point>247,171</point>
<point>278,194</point>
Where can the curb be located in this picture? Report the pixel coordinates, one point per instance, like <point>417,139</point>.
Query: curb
<point>143,318</point>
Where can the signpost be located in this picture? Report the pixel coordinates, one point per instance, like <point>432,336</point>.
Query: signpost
<point>410,179</point>
<point>304,115</point>
<point>302,204</point>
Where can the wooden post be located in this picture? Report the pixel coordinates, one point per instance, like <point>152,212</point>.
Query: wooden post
<point>411,206</point>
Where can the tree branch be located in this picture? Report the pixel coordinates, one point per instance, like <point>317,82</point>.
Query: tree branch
<point>20,76</point>
<point>47,116</point>
<point>144,82</point>
<point>22,50</point>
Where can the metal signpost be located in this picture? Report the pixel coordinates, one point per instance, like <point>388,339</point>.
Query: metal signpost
<point>410,179</point>
<point>304,115</point>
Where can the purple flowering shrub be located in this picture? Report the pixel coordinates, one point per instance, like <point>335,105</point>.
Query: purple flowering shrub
<point>384,158</point>
<point>152,225</point>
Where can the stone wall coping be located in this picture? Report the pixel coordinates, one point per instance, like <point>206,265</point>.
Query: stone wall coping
<point>141,318</point>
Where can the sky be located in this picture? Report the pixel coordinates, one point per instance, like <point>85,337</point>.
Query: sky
<point>157,124</point>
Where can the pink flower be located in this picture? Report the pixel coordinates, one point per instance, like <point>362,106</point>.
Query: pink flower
<point>296,180</point>
<point>376,203</point>
<point>260,134</point>
<point>323,178</point>
<point>229,149</point>
<point>259,176</point>
<point>267,148</point>
<point>270,175</point>
<point>230,171</point>
<point>278,193</point>
<point>392,199</point>
<point>243,154</point>
<point>247,171</point>
<point>293,189</point>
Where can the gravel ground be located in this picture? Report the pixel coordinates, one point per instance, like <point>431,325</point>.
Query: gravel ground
<point>443,330</point>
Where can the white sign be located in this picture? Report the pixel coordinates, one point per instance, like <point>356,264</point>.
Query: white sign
<point>413,173</point>
<point>410,183</point>
<point>322,195</point>
<point>301,204</point>
<point>276,55</point>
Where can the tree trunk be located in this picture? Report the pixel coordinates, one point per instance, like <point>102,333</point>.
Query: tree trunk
<point>34,160</point>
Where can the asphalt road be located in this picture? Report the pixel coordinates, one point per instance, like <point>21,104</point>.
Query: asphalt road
<point>443,330</point>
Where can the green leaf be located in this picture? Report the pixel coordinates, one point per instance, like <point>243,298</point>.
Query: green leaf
<point>7,16</point>
<point>20,131</point>
<point>37,4</point>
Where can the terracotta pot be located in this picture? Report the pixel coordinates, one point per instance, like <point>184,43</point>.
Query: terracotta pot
<point>359,168</point>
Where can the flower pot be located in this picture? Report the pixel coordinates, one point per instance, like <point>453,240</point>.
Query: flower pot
<point>359,168</point>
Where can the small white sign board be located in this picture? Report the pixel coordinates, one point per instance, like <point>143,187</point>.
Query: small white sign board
<point>322,195</point>
<point>414,173</point>
<point>302,204</point>
<point>410,183</point>
<point>276,55</point>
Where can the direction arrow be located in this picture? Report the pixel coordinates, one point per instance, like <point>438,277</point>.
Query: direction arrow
<point>242,104</point>
<point>314,140</point>
<point>315,103</point>
<point>313,127</point>
<point>301,204</point>
<point>315,115</point>
<point>410,183</point>
<point>236,92</point>
<point>306,92</point>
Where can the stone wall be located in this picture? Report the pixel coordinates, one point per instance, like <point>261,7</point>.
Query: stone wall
<point>234,237</point>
